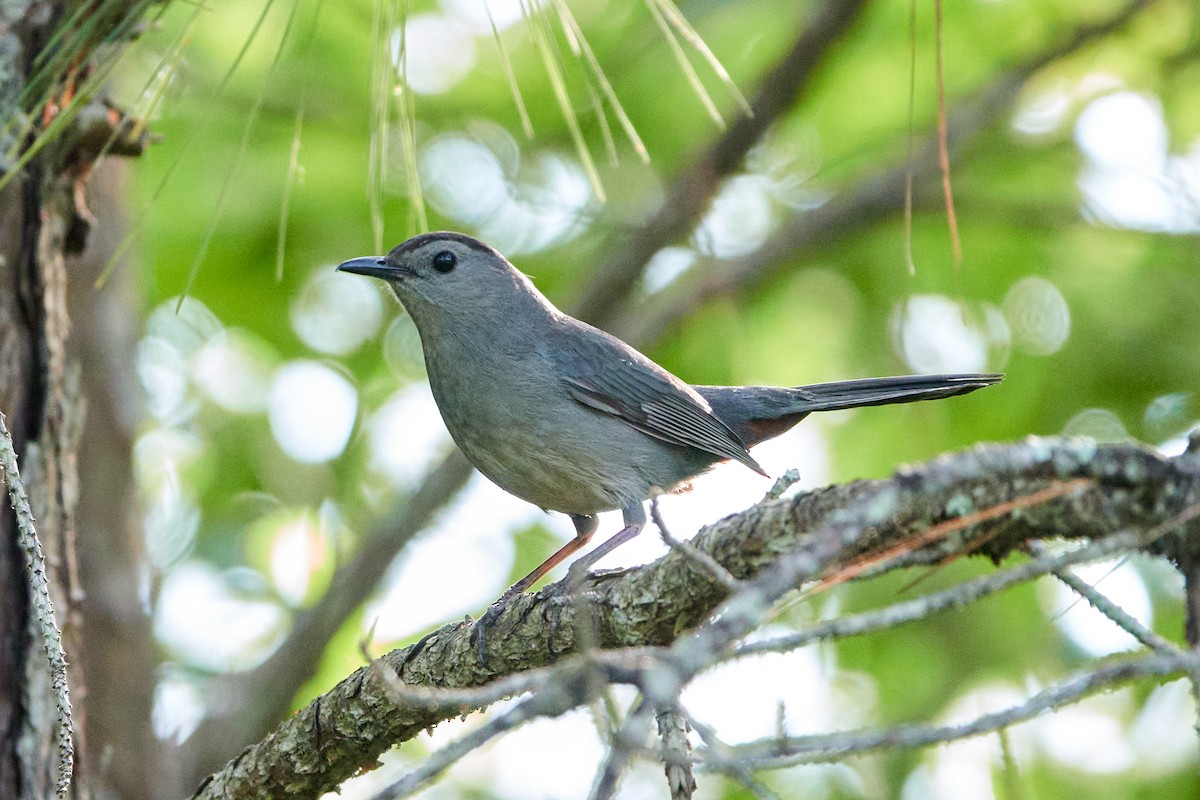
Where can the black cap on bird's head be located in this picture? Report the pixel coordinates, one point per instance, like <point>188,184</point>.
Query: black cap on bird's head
<point>449,274</point>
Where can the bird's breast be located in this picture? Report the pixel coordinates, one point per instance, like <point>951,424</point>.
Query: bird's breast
<point>517,424</point>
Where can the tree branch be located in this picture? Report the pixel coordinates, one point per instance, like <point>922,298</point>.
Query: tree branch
<point>677,752</point>
<point>776,545</point>
<point>38,587</point>
<point>1108,608</point>
<point>957,596</point>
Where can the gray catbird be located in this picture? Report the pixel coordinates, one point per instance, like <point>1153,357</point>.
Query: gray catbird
<point>572,419</point>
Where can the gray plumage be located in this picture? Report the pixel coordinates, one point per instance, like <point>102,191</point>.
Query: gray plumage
<point>568,417</point>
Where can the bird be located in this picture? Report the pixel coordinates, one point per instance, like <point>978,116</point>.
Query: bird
<point>570,418</point>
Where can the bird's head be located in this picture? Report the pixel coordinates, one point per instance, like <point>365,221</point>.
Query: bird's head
<point>445,276</point>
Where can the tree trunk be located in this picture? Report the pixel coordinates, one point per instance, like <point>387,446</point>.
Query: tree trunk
<point>118,654</point>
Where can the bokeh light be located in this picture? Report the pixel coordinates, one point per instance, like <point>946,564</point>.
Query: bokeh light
<point>406,434</point>
<point>312,409</point>
<point>234,370</point>
<point>933,334</point>
<point>335,313</point>
<point>517,202</point>
<point>1038,316</point>
<point>741,217</point>
<point>440,52</point>
<point>1101,424</point>
<point>1167,415</point>
<point>665,266</point>
<point>204,617</point>
<point>1130,179</point>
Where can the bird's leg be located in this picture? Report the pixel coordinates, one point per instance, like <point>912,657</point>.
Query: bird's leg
<point>635,520</point>
<point>585,526</point>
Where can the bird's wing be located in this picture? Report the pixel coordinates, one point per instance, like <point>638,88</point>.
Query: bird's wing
<point>604,373</point>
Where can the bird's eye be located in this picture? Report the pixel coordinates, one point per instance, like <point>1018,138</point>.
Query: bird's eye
<point>444,261</point>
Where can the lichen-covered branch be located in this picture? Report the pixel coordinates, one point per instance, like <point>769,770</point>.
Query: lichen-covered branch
<point>773,547</point>
<point>43,608</point>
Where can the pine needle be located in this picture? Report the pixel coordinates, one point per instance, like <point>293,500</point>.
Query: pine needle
<point>408,135</point>
<point>575,33</point>
<point>510,76</point>
<point>543,41</point>
<point>101,68</point>
<point>294,156</point>
<point>681,57</point>
<point>234,170</point>
<point>908,173</point>
<point>205,117</point>
<point>384,22</point>
<point>685,29</point>
<point>943,148</point>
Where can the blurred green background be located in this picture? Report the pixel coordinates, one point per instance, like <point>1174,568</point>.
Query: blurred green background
<point>285,407</point>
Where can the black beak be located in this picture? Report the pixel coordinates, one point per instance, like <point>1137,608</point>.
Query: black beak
<point>373,266</point>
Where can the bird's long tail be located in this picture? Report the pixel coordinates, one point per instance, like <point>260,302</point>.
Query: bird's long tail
<point>883,391</point>
<point>757,413</point>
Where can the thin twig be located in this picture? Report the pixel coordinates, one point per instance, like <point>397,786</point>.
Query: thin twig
<point>719,757</point>
<point>784,482</point>
<point>629,738</point>
<point>1108,608</point>
<point>555,699</point>
<point>43,608</point>
<point>710,564</point>
<point>407,694</point>
<point>954,597</point>
<point>676,752</point>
